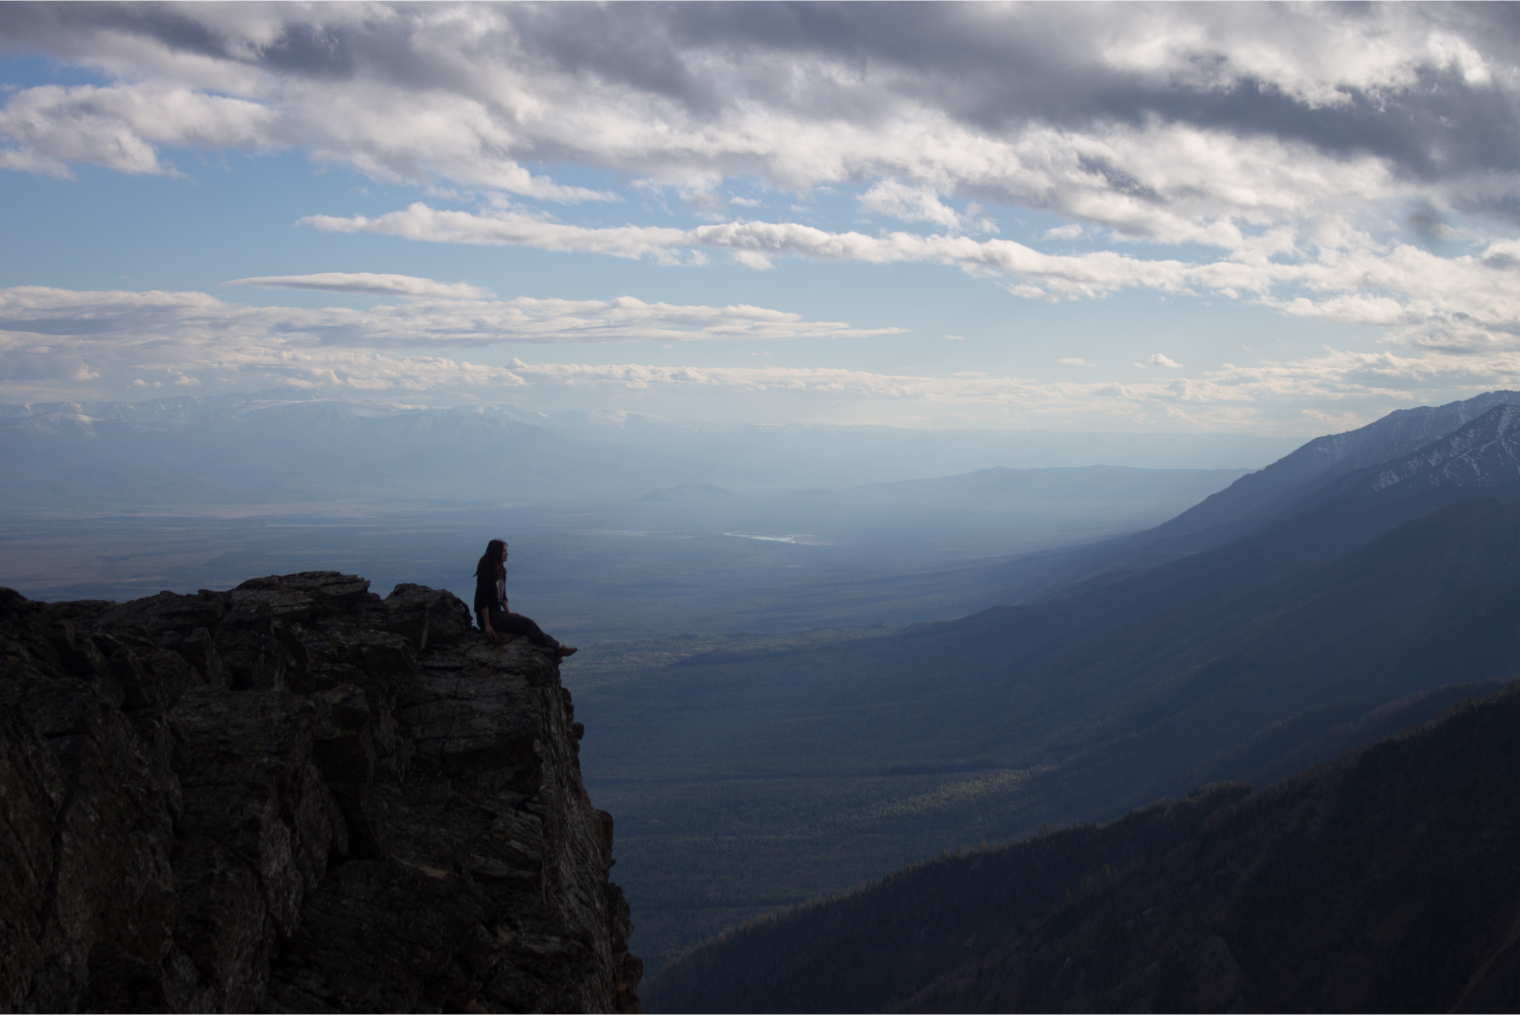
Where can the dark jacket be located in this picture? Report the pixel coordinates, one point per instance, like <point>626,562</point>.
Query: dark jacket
<point>486,596</point>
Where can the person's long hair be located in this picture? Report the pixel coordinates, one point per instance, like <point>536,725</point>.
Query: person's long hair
<point>490,565</point>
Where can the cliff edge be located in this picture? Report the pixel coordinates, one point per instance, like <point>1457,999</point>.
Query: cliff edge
<point>295,796</point>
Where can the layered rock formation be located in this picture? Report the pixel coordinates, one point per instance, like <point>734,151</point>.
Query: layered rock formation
<point>295,797</point>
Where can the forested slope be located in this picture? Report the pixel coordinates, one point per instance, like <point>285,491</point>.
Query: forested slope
<point>1383,881</point>
<point>881,944</point>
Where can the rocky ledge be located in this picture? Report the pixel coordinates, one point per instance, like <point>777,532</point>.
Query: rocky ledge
<point>295,796</point>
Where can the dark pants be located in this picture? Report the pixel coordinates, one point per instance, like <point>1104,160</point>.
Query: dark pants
<point>512,623</point>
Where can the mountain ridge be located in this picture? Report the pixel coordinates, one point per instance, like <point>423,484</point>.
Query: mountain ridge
<point>1481,454</point>
<point>1218,665</point>
<point>1268,490</point>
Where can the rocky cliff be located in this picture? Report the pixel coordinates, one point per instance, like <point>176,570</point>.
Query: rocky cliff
<point>295,796</point>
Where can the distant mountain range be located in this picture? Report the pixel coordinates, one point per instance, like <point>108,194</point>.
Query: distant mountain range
<point>1374,590</point>
<point>272,448</point>
<point>627,525</point>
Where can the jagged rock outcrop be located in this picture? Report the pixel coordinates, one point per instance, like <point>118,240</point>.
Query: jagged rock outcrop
<point>295,796</point>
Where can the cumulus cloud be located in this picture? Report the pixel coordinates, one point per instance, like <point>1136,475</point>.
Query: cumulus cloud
<point>1316,159</point>
<point>121,127</point>
<point>1160,360</point>
<point>911,204</point>
<point>1165,120</point>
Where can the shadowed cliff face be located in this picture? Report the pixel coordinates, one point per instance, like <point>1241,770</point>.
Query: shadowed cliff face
<point>295,796</point>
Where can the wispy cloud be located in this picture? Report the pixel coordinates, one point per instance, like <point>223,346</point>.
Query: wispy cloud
<point>62,341</point>
<point>756,243</point>
<point>1403,285</point>
<point>369,284</point>
<point>62,344</point>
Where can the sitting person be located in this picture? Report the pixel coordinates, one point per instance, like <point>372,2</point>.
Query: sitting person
<point>491,603</point>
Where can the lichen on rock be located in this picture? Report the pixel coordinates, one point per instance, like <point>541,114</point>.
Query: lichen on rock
<point>295,796</point>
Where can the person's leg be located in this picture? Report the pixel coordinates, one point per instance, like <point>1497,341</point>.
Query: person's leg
<point>504,623</point>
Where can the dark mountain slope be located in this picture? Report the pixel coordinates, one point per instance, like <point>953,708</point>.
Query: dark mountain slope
<point>1262,494</point>
<point>997,486</point>
<point>1432,602</point>
<point>1385,882</point>
<point>1019,686</point>
<point>1281,648</point>
<point>1141,685</point>
<point>873,947</point>
<point>1247,505</point>
<point>865,950</point>
<point>1308,610</point>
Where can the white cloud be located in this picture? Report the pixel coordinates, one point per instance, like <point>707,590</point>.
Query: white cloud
<point>1176,123</point>
<point>56,344</point>
<point>1269,396</point>
<point>911,204</point>
<point>104,320</point>
<point>506,227</point>
<point>1160,360</point>
<point>755,244</point>
<point>118,127</point>
<point>369,284</point>
<point>1402,285</point>
<point>1274,150</point>
<point>1074,361</point>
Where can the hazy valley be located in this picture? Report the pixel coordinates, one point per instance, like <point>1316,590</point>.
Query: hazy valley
<point>812,659</point>
<point>625,526</point>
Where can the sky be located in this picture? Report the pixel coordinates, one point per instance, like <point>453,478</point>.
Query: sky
<point>1285,220</point>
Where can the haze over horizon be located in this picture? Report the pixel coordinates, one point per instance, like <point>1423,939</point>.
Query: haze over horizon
<point>1251,219</point>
